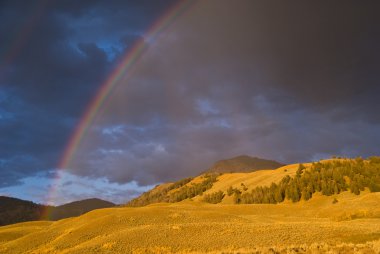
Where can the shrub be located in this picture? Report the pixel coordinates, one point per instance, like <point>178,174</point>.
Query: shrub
<point>214,198</point>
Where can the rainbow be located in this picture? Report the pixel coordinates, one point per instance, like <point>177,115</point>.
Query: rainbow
<point>119,74</point>
<point>130,59</point>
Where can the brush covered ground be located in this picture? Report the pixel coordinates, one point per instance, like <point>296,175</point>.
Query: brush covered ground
<point>339,223</point>
<point>315,226</point>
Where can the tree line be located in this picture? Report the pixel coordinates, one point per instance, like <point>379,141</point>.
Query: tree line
<point>329,177</point>
<point>175,192</point>
<point>214,198</point>
<point>195,189</point>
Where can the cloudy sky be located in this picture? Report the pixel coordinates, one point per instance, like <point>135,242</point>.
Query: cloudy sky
<point>292,81</point>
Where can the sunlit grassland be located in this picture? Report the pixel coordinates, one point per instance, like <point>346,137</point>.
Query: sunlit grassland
<point>335,223</point>
<point>314,226</point>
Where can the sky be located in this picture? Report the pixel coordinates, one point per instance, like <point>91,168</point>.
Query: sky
<point>293,81</point>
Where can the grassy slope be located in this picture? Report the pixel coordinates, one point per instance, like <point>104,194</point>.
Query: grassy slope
<point>191,226</point>
<point>195,226</point>
<point>250,180</point>
<point>238,164</point>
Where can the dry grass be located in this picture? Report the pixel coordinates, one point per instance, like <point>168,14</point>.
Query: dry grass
<point>250,180</point>
<point>315,226</point>
<point>352,225</point>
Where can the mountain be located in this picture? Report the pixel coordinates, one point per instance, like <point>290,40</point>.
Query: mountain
<point>243,163</point>
<point>330,206</point>
<point>78,208</point>
<point>13,210</point>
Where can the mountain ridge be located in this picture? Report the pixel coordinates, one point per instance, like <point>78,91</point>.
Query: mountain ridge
<point>15,210</point>
<point>242,163</point>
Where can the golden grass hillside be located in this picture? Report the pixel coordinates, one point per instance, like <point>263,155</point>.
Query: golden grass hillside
<point>338,223</point>
<point>314,226</point>
<point>223,182</point>
<point>250,180</point>
<point>192,187</point>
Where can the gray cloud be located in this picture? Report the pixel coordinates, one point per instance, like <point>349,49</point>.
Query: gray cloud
<point>290,81</point>
<point>52,62</point>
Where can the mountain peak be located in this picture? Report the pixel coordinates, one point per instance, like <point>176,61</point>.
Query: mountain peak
<point>243,163</point>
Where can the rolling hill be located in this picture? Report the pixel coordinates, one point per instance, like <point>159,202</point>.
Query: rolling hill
<point>13,210</point>
<point>293,182</point>
<point>193,187</point>
<point>344,222</point>
<point>77,208</point>
<point>341,216</point>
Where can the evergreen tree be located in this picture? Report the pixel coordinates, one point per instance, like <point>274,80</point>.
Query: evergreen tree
<point>230,191</point>
<point>237,198</point>
<point>354,188</point>
<point>328,177</point>
<point>306,195</point>
<point>300,169</point>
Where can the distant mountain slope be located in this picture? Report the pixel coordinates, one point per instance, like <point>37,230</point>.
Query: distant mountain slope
<point>77,208</point>
<point>243,163</point>
<point>13,210</point>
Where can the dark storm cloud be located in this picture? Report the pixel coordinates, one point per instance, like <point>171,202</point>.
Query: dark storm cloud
<point>54,55</point>
<point>291,81</point>
<point>324,54</point>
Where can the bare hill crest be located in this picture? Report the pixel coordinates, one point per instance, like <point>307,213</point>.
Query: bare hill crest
<point>243,163</point>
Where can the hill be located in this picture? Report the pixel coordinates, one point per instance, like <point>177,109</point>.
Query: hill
<point>293,182</point>
<point>193,187</point>
<point>342,215</point>
<point>316,226</point>
<point>13,210</point>
<point>246,182</point>
<point>77,208</point>
<point>241,164</point>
